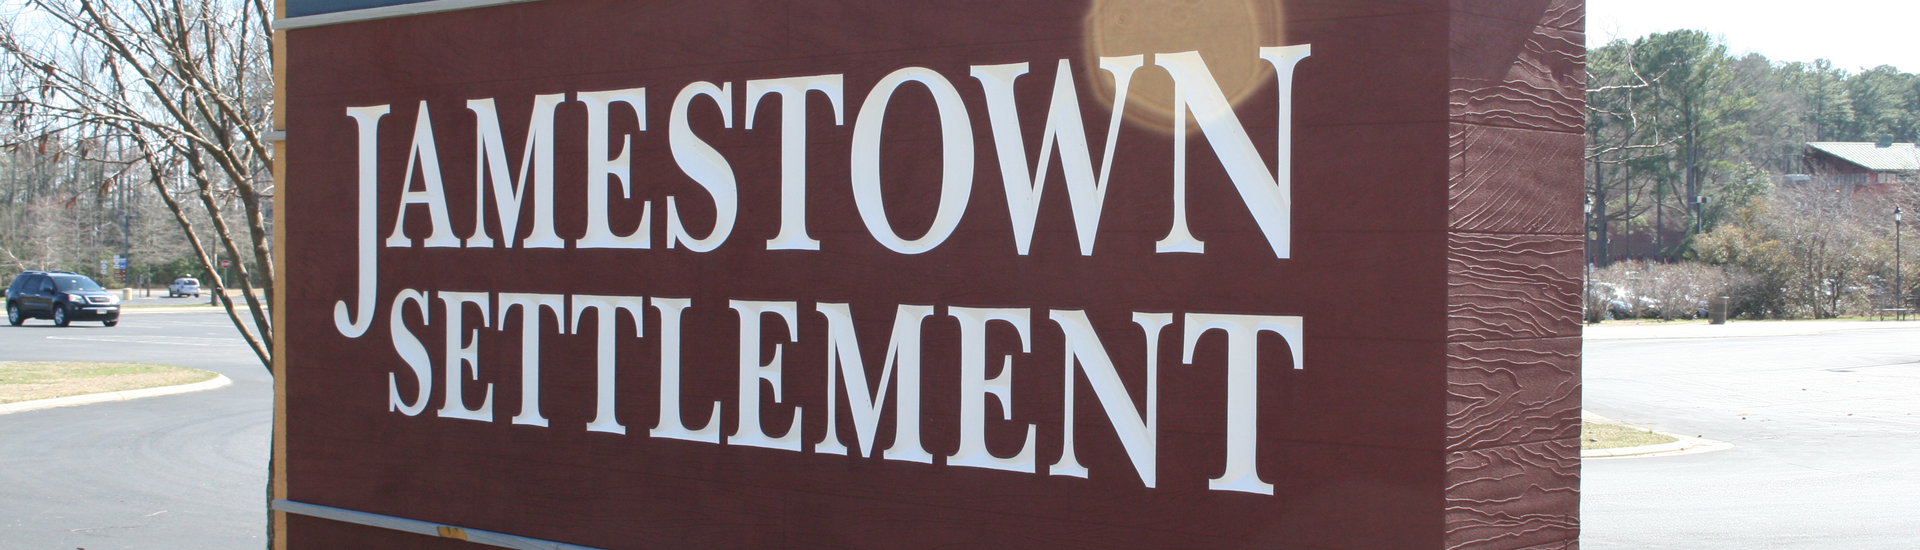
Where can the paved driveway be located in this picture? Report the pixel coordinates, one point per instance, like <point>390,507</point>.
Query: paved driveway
<point>1826,428</point>
<point>181,471</point>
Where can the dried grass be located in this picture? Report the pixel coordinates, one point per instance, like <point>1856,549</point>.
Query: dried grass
<point>30,381</point>
<point>1614,436</point>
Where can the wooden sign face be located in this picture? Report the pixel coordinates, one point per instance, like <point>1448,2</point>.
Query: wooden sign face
<point>899,274</point>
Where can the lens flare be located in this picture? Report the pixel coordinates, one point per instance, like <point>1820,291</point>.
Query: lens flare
<point>1229,33</point>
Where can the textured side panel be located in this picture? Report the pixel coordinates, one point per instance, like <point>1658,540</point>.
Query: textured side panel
<point>1518,75</point>
<point>1512,286</point>
<point>1560,545</point>
<point>1514,181</point>
<point>1514,497</point>
<point>1564,14</point>
<point>1511,392</point>
<point>1559,14</point>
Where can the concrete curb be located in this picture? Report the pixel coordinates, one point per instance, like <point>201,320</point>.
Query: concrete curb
<point>88,399</point>
<point>1738,329</point>
<point>1687,445</point>
<point>170,309</point>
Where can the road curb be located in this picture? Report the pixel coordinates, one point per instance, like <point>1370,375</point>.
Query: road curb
<point>1741,329</point>
<point>219,380</point>
<point>171,309</point>
<point>1687,445</point>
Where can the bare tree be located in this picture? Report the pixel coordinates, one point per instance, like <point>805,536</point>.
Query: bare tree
<point>1820,251</point>
<point>1621,142</point>
<point>48,234</point>
<point>183,90</point>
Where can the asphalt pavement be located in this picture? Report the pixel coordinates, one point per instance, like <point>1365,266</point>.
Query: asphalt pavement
<point>1824,419</point>
<point>184,471</point>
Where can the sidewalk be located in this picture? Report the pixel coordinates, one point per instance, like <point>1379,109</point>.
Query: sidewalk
<point>1736,329</point>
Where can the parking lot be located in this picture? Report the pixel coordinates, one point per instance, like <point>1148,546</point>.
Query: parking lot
<point>174,472</point>
<point>1824,419</point>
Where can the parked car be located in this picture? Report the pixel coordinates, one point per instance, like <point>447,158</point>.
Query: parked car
<point>61,296</point>
<point>1610,299</point>
<point>184,286</point>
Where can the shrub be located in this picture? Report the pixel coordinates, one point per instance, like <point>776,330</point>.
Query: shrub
<point>1653,290</point>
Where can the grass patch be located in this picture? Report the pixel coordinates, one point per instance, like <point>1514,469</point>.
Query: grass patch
<point>1613,436</point>
<point>35,380</point>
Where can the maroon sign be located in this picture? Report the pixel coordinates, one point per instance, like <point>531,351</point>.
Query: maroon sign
<point>908,274</point>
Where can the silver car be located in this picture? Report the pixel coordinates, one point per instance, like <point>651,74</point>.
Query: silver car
<point>184,286</point>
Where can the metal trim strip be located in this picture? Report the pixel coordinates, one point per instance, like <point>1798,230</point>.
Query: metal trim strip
<point>386,12</point>
<point>417,527</point>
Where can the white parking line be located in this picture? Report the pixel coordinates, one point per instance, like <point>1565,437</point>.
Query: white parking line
<point>175,341</point>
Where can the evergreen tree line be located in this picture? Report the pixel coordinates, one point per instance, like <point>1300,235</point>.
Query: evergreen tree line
<point>1689,149</point>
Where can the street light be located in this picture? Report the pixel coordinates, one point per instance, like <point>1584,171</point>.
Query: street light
<point>1899,291</point>
<point>1700,209</point>
<point>1586,249</point>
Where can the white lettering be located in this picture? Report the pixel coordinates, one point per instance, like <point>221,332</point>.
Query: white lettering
<point>1139,436</point>
<point>530,320</point>
<point>843,355</point>
<point>427,157</point>
<point>1269,197</point>
<point>704,164</point>
<point>368,119</point>
<point>599,168</point>
<point>605,417</point>
<point>461,355</point>
<point>1064,127</point>
<point>671,426</point>
<point>749,432</point>
<point>1243,389</point>
<point>974,387</point>
<point>793,148</point>
<point>956,178</point>
<point>410,350</point>
<point>490,151</point>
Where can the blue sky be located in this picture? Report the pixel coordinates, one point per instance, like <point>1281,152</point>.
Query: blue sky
<point>1855,34</point>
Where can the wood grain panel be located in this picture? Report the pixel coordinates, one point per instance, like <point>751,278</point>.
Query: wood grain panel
<point>1517,74</point>
<point>1512,286</point>
<point>1512,391</point>
<point>1505,180</point>
<point>1513,497</point>
<point>1558,14</point>
<point>1573,544</point>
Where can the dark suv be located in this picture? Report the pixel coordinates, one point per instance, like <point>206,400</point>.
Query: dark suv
<point>61,296</point>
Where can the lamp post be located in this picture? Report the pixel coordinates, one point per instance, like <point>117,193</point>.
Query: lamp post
<point>1699,210</point>
<point>1586,257</point>
<point>1899,291</point>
